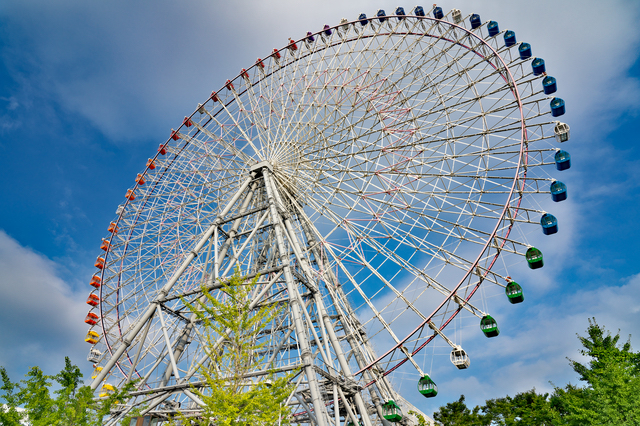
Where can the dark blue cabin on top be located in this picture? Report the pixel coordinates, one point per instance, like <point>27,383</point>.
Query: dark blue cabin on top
<point>558,191</point>
<point>475,21</point>
<point>493,28</point>
<point>437,13</point>
<point>538,66</point>
<point>419,11</point>
<point>400,13</point>
<point>363,19</point>
<point>509,38</point>
<point>563,160</point>
<point>557,107</point>
<point>549,85</point>
<point>525,51</point>
<point>381,15</point>
<point>549,224</point>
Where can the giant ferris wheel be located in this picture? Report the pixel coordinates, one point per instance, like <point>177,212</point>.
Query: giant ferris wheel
<point>371,175</point>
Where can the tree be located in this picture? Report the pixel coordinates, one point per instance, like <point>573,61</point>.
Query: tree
<point>612,375</point>
<point>458,414</point>
<point>231,398</point>
<point>73,405</point>
<point>525,409</point>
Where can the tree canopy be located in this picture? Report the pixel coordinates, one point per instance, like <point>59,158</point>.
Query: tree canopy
<point>233,327</point>
<point>610,396</point>
<point>70,405</point>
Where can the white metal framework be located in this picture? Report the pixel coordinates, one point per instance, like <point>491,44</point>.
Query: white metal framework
<point>370,174</point>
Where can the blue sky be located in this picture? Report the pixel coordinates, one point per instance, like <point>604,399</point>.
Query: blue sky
<point>88,90</point>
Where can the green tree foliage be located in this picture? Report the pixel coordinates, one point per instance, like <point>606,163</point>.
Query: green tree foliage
<point>611,396</point>
<point>231,397</point>
<point>525,409</point>
<point>612,376</point>
<point>458,414</point>
<point>70,405</point>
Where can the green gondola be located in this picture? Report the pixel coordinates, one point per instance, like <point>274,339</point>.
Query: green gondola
<point>514,292</point>
<point>427,387</point>
<point>391,411</point>
<point>489,326</point>
<point>534,258</point>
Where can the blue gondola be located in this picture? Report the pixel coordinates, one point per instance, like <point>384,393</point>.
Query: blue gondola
<point>534,258</point>
<point>558,191</point>
<point>419,11</point>
<point>327,30</point>
<point>492,26</point>
<point>557,107</point>
<point>437,13</point>
<point>400,13</point>
<point>549,85</point>
<point>475,21</point>
<point>563,160</point>
<point>549,224</point>
<point>381,15</point>
<point>363,19</point>
<point>538,66</point>
<point>525,51</point>
<point>509,38</point>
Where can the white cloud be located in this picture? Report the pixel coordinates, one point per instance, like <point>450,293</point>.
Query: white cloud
<point>41,318</point>
<point>132,69</point>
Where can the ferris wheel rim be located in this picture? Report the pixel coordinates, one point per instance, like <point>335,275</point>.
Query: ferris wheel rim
<point>499,220</point>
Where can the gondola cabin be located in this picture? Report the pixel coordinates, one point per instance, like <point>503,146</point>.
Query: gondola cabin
<point>91,318</point>
<point>557,107</point>
<point>391,412</point>
<point>489,326</point>
<point>146,421</point>
<point>96,371</point>
<point>95,281</point>
<point>456,14</point>
<point>92,337</point>
<point>93,300</point>
<point>514,292</point>
<point>558,191</point>
<point>427,387</point>
<point>475,21</point>
<point>538,66</point>
<point>509,38</point>
<point>563,160</point>
<point>549,85</point>
<point>107,390</point>
<point>562,132</point>
<point>94,355</point>
<point>534,258</point>
<point>493,28</point>
<point>524,50</point>
<point>459,358</point>
<point>438,13</point>
<point>549,224</point>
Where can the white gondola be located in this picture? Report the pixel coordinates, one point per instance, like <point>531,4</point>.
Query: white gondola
<point>561,130</point>
<point>94,355</point>
<point>459,358</point>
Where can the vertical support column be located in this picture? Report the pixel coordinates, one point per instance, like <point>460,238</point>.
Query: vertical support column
<point>301,333</point>
<point>309,235</point>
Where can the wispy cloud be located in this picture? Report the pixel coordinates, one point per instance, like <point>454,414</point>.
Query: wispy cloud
<point>41,318</point>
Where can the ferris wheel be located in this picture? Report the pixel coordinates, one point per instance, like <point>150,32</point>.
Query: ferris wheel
<point>370,175</point>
